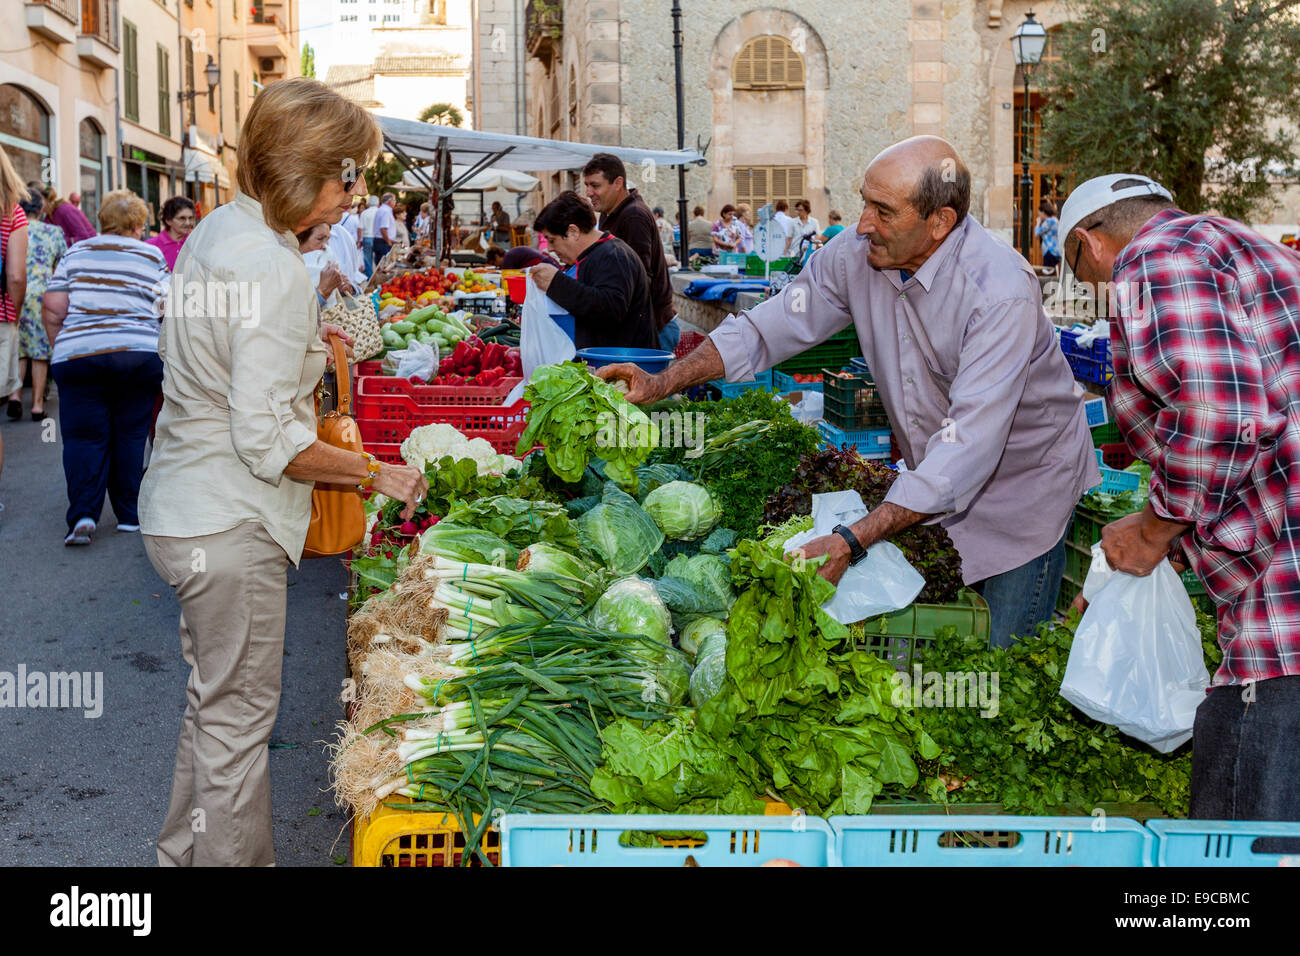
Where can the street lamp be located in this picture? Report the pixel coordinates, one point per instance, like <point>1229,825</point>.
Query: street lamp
<point>1027,43</point>
<point>211,73</point>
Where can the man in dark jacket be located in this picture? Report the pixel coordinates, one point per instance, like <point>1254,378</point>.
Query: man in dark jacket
<point>609,295</point>
<point>625,214</point>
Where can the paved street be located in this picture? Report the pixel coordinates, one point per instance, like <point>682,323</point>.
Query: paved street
<point>94,791</point>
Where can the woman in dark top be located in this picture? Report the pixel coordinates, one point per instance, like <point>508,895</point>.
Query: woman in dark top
<point>609,293</point>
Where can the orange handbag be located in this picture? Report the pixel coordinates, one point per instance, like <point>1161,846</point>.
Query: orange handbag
<point>338,517</point>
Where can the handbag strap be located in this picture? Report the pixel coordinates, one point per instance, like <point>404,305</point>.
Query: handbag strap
<point>342,376</point>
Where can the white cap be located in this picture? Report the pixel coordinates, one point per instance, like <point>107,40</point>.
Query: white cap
<point>1098,193</point>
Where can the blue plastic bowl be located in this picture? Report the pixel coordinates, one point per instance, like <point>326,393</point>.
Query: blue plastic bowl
<point>651,360</point>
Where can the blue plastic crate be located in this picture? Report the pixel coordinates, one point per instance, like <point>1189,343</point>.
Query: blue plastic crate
<point>1114,481</point>
<point>529,839</point>
<point>1090,370</point>
<point>1098,349</point>
<point>1221,842</point>
<point>989,840</point>
<point>1096,411</point>
<point>859,364</point>
<point>871,444</point>
<point>786,383</point>
<point>732,389</point>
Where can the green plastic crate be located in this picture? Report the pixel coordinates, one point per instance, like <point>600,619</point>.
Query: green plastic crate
<point>852,403</point>
<point>835,352</point>
<point>900,636</point>
<point>1107,434</point>
<point>754,265</point>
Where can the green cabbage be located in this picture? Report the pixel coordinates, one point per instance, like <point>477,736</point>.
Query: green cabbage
<point>683,510</point>
<point>670,678</point>
<point>682,597</point>
<point>710,573</point>
<point>633,606</point>
<point>619,532</point>
<point>699,631</point>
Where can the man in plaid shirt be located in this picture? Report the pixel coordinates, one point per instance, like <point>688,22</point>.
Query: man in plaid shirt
<point>1206,348</point>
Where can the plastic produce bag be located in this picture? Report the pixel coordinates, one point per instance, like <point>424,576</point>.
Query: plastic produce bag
<point>809,408</point>
<point>417,361</point>
<point>882,582</point>
<point>1136,661</point>
<point>541,340</point>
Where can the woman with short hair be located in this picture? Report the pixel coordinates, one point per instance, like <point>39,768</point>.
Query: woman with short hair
<point>101,313</point>
<point>179,216</point>
<point>226,502</point>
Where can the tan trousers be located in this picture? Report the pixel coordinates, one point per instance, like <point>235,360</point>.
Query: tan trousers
<point>231,588</point>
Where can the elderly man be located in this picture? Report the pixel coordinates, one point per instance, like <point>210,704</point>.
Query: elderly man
<point>951,322</point>
<point>1206,350</point>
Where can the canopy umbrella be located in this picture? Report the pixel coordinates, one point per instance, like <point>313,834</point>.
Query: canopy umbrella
<point>445,147</point>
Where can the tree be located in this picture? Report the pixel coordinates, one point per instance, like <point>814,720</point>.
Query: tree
<point>308,60</point>
<point>443,114</point>
<point>1200,95</point>
<point>382,174</point>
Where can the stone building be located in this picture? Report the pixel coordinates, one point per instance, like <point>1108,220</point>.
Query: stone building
<point>792,100</point>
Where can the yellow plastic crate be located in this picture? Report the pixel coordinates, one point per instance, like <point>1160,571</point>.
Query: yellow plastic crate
<point>415,838</point>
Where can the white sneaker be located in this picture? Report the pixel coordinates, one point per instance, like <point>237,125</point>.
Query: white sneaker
<point>81,532</point>
<point>128,527</point>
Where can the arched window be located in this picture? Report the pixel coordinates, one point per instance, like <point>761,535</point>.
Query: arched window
<point>25,133</point>
<point>91,166</point>
<point>767,63</point>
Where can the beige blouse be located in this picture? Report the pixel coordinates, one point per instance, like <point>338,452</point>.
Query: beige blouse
<point>242,356</point>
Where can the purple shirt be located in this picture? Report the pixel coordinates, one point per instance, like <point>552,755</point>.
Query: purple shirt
<point>73,222</point>
<point>171,248</point>
<point>980,396</point>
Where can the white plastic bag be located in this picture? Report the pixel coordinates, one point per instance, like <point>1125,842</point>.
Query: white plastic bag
<point>1136,661</point>
<point>810,407</point>
<point>881,582</point>
<point>541,340</point>
<point>417,360</point>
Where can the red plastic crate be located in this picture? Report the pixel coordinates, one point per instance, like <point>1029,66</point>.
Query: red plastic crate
<point>688,343</point>
<point>388,452</point>
<point>1117,455</point>
<point>373,390</point>
<point>400,415</point>
<point>369,367</point>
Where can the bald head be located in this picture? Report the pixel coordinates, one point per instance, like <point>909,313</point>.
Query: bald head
<point>928,171</point>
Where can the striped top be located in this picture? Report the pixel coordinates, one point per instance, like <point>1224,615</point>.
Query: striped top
<point>10,224</point>
<point>116,289</point>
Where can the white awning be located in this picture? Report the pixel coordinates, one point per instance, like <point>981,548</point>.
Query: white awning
<point>508,179</point>
<point>202,168</point>
<point>477,150</point>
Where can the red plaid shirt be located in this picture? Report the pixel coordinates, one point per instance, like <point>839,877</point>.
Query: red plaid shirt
<point>1207,391</point>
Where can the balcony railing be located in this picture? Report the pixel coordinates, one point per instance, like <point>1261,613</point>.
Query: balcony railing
<point>273,13</point>
<point>544,27</point>
<point>68,8</point>
<point>99,20</point>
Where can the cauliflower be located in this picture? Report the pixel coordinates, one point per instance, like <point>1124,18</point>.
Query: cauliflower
<point>431,442</point>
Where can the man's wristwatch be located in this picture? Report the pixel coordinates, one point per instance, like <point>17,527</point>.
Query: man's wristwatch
<point>856,551</point>
<point>372,469</point>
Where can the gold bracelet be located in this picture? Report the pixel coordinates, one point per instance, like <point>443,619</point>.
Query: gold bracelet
<point>372,469</point>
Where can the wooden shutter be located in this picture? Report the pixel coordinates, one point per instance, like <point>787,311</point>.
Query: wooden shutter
<point>767,63</point>
<point>131,67</point>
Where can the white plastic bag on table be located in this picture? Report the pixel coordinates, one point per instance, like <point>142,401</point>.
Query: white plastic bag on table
<point>541,340</point>
<point>417,361</point>
<point>810,407</point>
<point>1136,661</point>
<point>881,582</point>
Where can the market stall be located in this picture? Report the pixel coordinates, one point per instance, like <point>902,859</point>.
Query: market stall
<point>590,617</point>
<point>429,152</point>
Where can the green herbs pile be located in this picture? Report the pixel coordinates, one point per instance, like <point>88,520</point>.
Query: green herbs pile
<point>740,474</point>
<point>927,547</point>
<point>1039,755</point>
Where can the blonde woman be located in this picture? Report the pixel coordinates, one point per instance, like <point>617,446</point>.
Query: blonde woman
<point>100,312</point>
<point>227,499</point>
<point>13,280</point>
